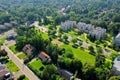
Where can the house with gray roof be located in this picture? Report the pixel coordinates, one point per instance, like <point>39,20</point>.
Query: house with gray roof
<point>8,25</point>
<point>5,74</point>
<point>65,74</point>
<point>3,27</point>
<point>117,40</point>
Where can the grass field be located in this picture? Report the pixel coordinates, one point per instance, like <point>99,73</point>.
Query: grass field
<point>22,55</point>
<point>2,39</point>
<point>45,36</point>
<point>13,49</point>
<point>81,55</point>
<point>12,67</point>
<point>37,64</point>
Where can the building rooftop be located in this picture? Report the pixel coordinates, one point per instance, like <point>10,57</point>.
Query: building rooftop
<point>29,49</point>
<point>43,54</point>
<point>118,36</point>
<point>2,66</point>
<point>117,63</point>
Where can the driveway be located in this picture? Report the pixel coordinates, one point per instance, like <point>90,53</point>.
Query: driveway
<point>20,64</point>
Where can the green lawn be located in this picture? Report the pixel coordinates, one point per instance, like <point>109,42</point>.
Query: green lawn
<point>45,36</point>
<point>81,55</point>
<point>11,66</point>
<point>2,39</point>
<point>22,56</point>
<point>37,64</point>
<point>13,49</point>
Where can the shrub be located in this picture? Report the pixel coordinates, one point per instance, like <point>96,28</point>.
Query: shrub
<point>21,77</point>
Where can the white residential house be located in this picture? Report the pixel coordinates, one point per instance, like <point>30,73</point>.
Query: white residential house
<point>117,40</point>
<point>116,66</point>
<point>98,33</point>
<point>67,25</point>
<point>85,27</point>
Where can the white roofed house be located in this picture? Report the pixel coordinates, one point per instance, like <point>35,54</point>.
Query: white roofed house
<point>116,66</point>
<point>117,40</point>
<point>85,27</point>
<point>67,25</point>
<point>98,33</point>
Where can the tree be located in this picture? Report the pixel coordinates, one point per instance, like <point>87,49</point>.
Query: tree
<point>113,55</point>
<point>88,72</point>
<point>102,73</point>
<point>65,37</point>
<point>3,53</point>
<point>74,40</point>
<point>49,71</point>
<point>116,18</point>
<point>99,50</point>
<point>76,65</point>
<point>91,49</point>
<point>21,77</point>
<point>114,78</point>
<point>46,21</point>
<point>100,60</point>
<point>20,42</point>
<point>69,53</point>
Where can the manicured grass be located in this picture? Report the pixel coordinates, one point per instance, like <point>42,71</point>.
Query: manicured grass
<point>83,36</point>
<point>36,64</point>
<point>2,39</point>
<point>22,56</point>
<point>45,36</point>
<point>13,49</point>
<point>81,55</point>
<point>11,66</point>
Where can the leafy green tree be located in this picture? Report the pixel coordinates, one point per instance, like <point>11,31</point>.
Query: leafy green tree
<point>22,77</point>
<point>91,49</point>
<point>76,65</point>
<point>74,40</point>
<point>100,60</point>
<point>114,78</point>
<point>49,72</point>
<point>102,73</point>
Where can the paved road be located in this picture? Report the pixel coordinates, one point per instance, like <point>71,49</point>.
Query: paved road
<point>22,67</point>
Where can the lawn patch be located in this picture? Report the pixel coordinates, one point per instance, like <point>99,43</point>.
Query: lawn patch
<point>81,55</point>
<point>37,64</point>
<point>11,66</point>
<point>13,49</point>
<point>2,39</point>
<point>21,55</point>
